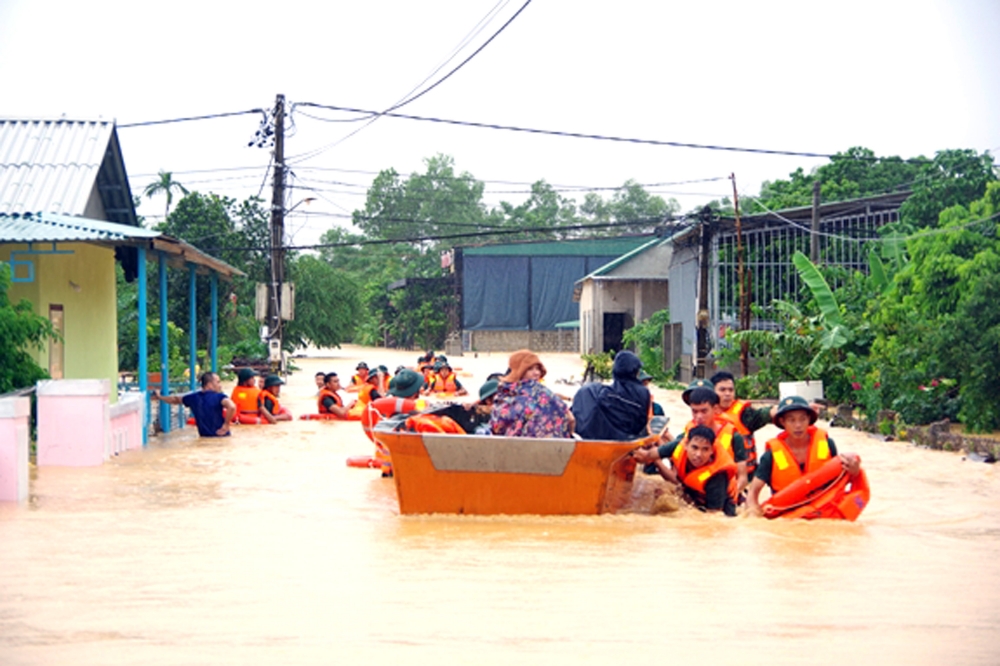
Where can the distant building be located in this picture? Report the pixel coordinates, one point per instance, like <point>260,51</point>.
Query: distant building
<point>629,289</point>
<point>520,295</point>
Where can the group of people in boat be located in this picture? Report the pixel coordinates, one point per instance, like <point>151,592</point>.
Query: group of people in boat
<point>714,460</point>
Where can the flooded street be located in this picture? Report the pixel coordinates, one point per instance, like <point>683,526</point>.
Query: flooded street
<point>265,548</point>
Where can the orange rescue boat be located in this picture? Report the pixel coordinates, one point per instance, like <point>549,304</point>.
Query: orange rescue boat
<point>476,474</point>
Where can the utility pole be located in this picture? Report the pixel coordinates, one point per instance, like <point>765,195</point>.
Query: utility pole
<point>814,236</point>
<point>741,278</point>
<point>277,224</point>
<point>703,315</point>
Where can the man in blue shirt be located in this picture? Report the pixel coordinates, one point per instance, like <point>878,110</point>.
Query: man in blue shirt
<point>213,410</point>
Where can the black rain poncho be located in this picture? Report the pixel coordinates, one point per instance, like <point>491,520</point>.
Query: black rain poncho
<point>619,412</point>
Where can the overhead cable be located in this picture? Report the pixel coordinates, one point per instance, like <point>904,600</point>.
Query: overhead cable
<point>185,119</point>
<point>596,137</point>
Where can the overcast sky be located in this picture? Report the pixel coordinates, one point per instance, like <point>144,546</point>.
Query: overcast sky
<point>902,78</point>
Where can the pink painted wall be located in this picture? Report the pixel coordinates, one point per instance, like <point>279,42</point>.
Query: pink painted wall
<point>14,414</point>
<point>126,423</point>
<point>74,422</point>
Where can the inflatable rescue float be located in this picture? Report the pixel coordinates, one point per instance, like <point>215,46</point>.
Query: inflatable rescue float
<point>827,492</point>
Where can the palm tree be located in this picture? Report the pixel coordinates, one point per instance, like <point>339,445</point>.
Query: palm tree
<point>165,184</point>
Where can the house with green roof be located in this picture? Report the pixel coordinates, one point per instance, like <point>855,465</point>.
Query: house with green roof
<point>520,295</point>
<point>626,290</point>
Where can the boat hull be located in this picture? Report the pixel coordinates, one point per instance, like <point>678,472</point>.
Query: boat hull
<point>471,474</point>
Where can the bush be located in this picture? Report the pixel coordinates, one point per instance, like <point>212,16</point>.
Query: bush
<point>646,337</point>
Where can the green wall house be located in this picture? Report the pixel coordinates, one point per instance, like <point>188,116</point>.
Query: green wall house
<point>66,217</point>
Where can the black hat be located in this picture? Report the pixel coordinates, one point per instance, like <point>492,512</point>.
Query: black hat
<point>362,365</point>
<point>644,376</point>
<point>696,384</point>
<point>794,403</point>
<point>272,380</point>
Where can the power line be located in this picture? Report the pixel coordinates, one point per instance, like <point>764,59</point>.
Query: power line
<point>409,97</point>
<point>599,137</point>
<point>185,119</point>
<point>675,223</point>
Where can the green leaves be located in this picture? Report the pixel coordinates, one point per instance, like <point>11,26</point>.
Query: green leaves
<point>819,288</point>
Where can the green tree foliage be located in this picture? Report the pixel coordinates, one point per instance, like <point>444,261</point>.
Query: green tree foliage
<point>631,208</point>
<point>236,233</point>
<point>646,337</point>
<point>164,184</point>
<point>20,329</point>
<point>854,173</point>
<point>953,177</point>
<point>326,304</point>
<point>942,320</point>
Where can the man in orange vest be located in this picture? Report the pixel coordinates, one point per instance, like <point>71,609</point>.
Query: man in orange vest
<point>700,396</point>
<point>801,449</point>
<point>329,401</point>
<point>270,407</point>
<point>742,415</point>
<point>359,379</point>
<point>445,381</point>
<point>246,392</point>
<point>705,471</point>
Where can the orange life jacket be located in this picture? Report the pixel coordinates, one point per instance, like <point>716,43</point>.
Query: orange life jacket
<point>245,398</point>
<point>434,423</point>
<point>444,384</point>
<point>267,395</point>
<point>699,476</point>
<point>356,379</point>
<point>364,397</point>
<point>734,415</point>
<point>724,432</point>
<point>785,467</point>
<point>327,393</point>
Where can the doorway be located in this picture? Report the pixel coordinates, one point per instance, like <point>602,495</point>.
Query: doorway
<point>615,325</point>
<point>56,345</point>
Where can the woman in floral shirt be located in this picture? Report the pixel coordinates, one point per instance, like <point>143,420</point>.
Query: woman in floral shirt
<point>523,407</point>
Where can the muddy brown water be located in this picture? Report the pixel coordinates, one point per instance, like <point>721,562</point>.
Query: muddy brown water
<point>265,548</point>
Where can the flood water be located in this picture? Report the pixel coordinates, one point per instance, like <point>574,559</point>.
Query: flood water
<point>265,548</point>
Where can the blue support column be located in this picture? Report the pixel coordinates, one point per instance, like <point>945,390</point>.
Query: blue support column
<point>193,325</point>
<point>215,322</point>
<point>164,345</point>
<point>143,343</point>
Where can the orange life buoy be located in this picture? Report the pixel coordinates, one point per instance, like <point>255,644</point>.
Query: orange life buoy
<point>827,492</point>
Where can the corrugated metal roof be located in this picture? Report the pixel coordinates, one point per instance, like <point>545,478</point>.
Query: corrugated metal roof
<point>54,228</point>
<point>582,247</point>
<point>53,165</point>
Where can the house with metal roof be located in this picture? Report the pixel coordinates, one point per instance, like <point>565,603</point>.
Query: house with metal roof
<point>626,290</point>
<point>66,216</point>
<point>520,295</point>
<point>704,271</point>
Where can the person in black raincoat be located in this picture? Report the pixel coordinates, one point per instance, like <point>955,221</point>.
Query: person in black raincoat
<point>619,412</point>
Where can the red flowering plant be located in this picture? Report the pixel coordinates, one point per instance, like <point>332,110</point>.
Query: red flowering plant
<point>932,401</point>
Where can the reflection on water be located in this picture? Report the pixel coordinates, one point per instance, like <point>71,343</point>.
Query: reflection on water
<point>265,548</point>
